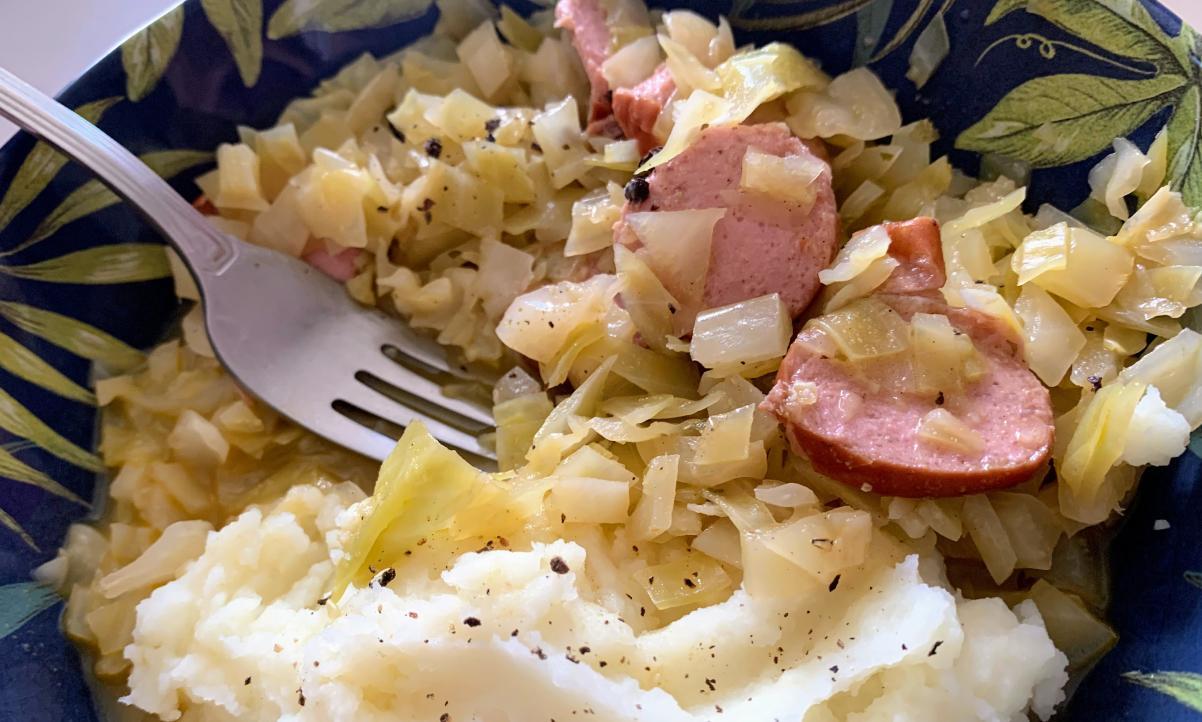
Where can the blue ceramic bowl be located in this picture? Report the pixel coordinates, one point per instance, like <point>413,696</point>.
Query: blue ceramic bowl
<point>83,281</point>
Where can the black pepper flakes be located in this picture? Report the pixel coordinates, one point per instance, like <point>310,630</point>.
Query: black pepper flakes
<point>939,399</point>
<point>433,147</point>
<point>637,190</point>
<point>711,683</point>
<point>834,583</point>
<point>247,681</point>
<point>444,717</point>
<point>323,601</point>
<point>585,650</point>
<point>935,648</point>
<point>386,577</point>
<point>834,669</point>
<point>690,583</point>
<point>300,697</point>
<point>472,622</point>
<point>399,134</point>
<point>1095,382</point>
<point>559,566</point>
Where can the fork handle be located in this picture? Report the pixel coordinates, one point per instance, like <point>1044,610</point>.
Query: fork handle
<point>205,249</point>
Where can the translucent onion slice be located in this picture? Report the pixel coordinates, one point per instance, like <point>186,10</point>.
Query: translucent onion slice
<point>940,427</point>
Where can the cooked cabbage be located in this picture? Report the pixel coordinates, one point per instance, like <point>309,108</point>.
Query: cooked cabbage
<point>1117,176</point>
<point>540,323</point>
<point>857,255</point>
<point>652,516</point>
<point>676,246</point>
<point>632,64</point>
<point>943,359</point>
<point>1053,340</point>
<point>854,105</point>
<point>788,178</point>
<point>746,332</point>
<point>866,329</point>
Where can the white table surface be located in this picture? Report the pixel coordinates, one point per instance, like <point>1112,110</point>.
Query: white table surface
<point>49,42</point>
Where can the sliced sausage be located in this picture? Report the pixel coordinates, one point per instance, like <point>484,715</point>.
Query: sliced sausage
<point>586,21</point>
<point>613,112</point>
<point>916,245</point>
<point>763,244</point>
<point>637,109</point>
<point>863,428</point>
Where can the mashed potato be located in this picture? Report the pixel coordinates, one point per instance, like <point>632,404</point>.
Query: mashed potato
<point>520,634</point>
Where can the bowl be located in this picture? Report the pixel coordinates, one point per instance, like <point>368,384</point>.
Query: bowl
<point>83,282</point>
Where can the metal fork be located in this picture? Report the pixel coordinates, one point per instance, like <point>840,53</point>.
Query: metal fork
<point>288,333</point>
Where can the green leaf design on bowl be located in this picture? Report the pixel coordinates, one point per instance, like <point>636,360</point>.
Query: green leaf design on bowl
<point>94,196</point>
<point>1061,119</point>
<point>331,16</point>
<point>75,336</point>
<point>20,421</point>
<point>25,364</point>
<point>240,23</point>
<point>147,54</point>
<point>21,602</point>
<point>117,263</point>
<point>13,468</point>
<point>1185,687</point>
<point>42,164</point>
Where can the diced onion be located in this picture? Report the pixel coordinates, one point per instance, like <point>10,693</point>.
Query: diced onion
<point>941,428</point>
